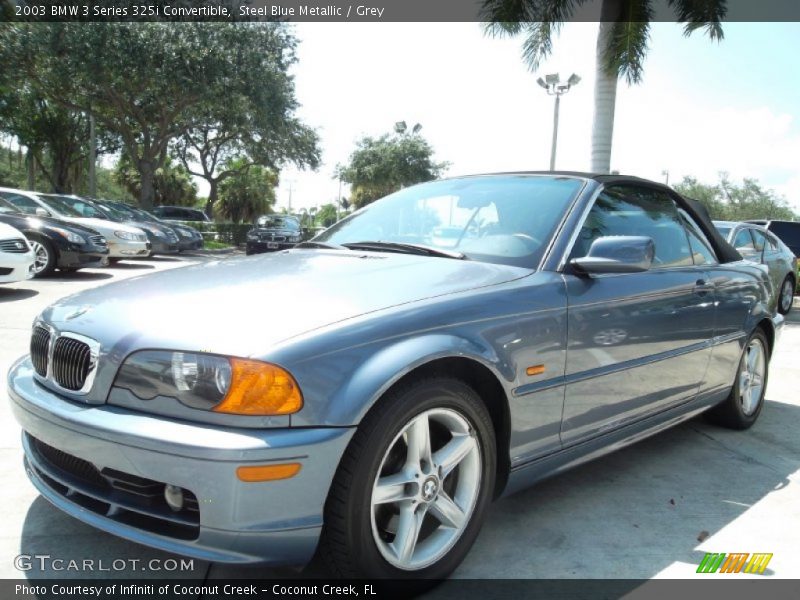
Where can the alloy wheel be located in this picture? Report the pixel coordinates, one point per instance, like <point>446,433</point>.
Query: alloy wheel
<point>41,257</point>
<point>787,296</point>
<point>751,376</point>
<point>426,489</point>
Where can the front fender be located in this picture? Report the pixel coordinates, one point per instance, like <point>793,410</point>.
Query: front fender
<point>375,370</point>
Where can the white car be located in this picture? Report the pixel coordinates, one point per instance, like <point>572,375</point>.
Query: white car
<point>124,241</point>
<point>16,255</point>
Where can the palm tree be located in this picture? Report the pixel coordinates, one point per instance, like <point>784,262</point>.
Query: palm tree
<point>622,42</point>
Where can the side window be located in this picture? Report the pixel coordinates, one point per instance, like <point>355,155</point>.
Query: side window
<point>702,252</point>
<point>640,211</point>
<point>772,243</point>
<point>759,240</point>
<point>743,242</point>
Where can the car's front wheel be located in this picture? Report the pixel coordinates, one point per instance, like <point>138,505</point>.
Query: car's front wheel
<point>743,405</point>
<point>413,486</point>
<point>44,256</point>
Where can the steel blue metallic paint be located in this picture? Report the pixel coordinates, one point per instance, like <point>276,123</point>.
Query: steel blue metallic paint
<point>624,356</point>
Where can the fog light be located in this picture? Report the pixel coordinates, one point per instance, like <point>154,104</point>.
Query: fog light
<point>174,496</point>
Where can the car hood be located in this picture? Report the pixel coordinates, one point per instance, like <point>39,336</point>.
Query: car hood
<point>42,223</point>
<point>9,232</point>
<point>107,228</point>
<point>244,306</point>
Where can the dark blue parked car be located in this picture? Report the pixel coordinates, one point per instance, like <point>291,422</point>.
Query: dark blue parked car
<point>369,392</point>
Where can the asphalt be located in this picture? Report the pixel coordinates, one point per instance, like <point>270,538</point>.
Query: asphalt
<point>651,510</point>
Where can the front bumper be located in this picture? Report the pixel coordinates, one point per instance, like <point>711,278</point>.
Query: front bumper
<point>259,247</point>
<point>15,267</point>
<point>275,522</point>
<point>185,244</point>
<point>124,249</point>
<point>163,246</point>
<point>71,256</point>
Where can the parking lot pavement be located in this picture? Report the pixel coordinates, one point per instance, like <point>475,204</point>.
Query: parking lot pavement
<point>648,511</point>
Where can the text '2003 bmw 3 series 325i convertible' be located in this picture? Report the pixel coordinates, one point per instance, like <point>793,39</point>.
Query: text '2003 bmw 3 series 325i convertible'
<point>369,392</point>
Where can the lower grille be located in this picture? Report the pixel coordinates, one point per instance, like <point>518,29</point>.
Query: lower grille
<point>72,360</point>
<point>123,497</point>
<point>98,240</point>
<point>5,271</point>
<point>40,349</point>
<point>15,246</point>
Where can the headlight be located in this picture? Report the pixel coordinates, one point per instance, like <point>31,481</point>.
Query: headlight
<point>125,235</point>
<point>252,235</point>
<point>210,382</point>
<point>69,236</point>
<point>296,238</point>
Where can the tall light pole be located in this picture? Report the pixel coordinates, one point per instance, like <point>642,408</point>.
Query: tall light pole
<point>552,83</point>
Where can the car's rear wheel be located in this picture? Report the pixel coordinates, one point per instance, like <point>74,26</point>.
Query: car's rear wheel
<point>743,406</point>
<point>413,486</point>
<point>44,262</point>
<point>786,297</point>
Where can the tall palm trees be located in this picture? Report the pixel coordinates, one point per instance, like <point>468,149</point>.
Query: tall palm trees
<point>622,41</point>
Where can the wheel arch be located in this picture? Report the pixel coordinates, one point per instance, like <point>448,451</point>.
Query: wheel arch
<point>446,355</point>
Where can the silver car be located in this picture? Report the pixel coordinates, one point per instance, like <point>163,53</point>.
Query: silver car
<point>369,392</point>
<point>755,243</point>
<point>124,241</point>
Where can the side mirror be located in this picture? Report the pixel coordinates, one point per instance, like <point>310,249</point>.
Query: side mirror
<point>617,254</point>
<point>40,212</point>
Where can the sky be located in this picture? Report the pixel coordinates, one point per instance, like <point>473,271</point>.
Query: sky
<point>702,108</point>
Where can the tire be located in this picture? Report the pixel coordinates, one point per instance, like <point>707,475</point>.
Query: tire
<point>743,405</point>
<point>361,534</point>
<point>786,295</point>
<point>45,262</point>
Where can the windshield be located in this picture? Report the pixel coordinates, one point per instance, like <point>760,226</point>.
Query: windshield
<point>500,219</point>
<point>140,214</point>
<point>22,204</point>
<point>6,207</point>
<point>112,212</point>
<point>277,222</point>
<point>61,205</point>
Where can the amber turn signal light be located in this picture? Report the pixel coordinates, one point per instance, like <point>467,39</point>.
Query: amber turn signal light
<point>267,472</point>
<point>259,388</point>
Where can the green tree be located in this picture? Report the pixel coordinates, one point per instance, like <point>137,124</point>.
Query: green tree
<point>150,83</point>
<point>622,44</point>
<point>248,193</point>
<point>56,138</point>
<point>257,129</point>
<point>172,183</point>
<point>381,166</point>
<point>326,216</point>
<point>727,201</point>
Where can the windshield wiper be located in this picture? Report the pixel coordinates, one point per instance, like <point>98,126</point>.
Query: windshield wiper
<point>405,248</point>
<point>323,245</point>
